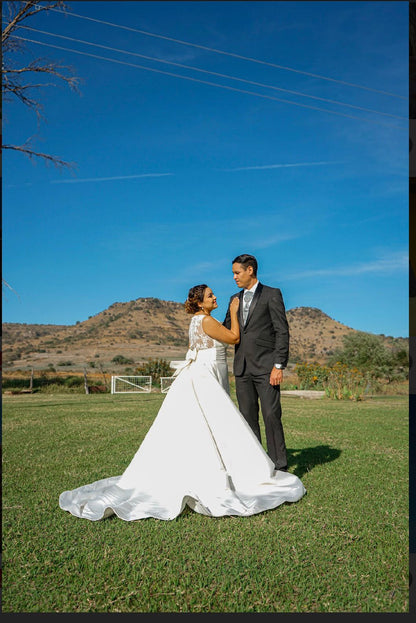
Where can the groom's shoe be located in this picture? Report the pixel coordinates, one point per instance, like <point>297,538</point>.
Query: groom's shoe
<point>281,469</point>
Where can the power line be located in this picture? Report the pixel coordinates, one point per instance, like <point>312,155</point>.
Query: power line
<point>213,73</point>
<point>216,51</point>
<point>220,86</point>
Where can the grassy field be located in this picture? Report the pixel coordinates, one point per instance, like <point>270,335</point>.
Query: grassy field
<point>342,548</point>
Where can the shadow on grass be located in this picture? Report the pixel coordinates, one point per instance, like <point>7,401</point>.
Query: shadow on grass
<point>302,461</point>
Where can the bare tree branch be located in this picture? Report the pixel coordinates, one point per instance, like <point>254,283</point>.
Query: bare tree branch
<point>13,85</point>
<point>31,153</point>
<point>7,285</point>
<point>48,68</point>
<point>23,11</point>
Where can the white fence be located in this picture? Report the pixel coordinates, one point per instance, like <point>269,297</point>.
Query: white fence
<point>131,384</point>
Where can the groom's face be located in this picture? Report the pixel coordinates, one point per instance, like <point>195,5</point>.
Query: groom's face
<point>243,276</point>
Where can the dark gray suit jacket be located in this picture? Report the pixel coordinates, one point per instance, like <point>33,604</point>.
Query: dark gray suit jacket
<point>264,340</point>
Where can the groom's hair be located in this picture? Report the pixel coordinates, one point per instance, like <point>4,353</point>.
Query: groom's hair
<point>247,260</point>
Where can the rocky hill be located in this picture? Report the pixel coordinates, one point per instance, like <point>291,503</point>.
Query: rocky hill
<point>147,328</point>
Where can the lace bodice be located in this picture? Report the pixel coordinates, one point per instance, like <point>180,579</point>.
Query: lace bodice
<point>198,339</point>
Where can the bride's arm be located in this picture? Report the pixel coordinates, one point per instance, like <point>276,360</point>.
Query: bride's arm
<point>217,331</point>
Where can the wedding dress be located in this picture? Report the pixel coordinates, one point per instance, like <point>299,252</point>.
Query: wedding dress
<point>199,452</point>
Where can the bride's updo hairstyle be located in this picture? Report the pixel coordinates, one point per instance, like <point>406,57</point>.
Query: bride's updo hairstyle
<point>195,296</point>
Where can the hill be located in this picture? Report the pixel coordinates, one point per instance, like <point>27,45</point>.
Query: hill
<point>148,328</point>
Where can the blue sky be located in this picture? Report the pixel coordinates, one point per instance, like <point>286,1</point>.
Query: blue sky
<point>298,156</point>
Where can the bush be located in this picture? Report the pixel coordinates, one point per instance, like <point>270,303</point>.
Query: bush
<point>73,381</point>
<point>15,383</point>
<point>155,368</point>
<point>119,359</point>
<point>311,375</point>
<point>347,383</point>
<point>45,383</point>
<point>338,381</point>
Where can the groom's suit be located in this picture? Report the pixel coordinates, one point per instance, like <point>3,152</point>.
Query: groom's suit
<point>264,341</point>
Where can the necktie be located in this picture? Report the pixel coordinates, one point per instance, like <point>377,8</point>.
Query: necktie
<point>247,300</point>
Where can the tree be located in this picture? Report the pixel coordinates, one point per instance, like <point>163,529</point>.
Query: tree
<point>367,353</point>
<point>17,80</point>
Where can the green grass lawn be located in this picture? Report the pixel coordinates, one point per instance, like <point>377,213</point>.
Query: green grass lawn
<point>341,548</point>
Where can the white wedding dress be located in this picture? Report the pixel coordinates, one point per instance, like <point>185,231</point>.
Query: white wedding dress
<point>199,452</point>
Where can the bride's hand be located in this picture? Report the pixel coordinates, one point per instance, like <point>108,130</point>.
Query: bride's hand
<point>234,305</point>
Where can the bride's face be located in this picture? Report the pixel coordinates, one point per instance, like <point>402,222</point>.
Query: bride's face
<point>210,300</point>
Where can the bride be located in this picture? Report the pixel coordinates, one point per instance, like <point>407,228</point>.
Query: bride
<point>199,451</point>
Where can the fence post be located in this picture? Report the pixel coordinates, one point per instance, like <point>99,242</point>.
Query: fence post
<point>87,391</point>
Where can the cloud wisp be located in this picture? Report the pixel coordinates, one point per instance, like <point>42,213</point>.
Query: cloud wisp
<point>282,166</point>
<point>397,262</point>
<point>264,243</point>
<point>110,179</point>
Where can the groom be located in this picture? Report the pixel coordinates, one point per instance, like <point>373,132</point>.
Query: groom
<point>261,356</point>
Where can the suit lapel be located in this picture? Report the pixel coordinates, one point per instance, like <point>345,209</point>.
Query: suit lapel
<point>240,308</point>
<point>254,302</point>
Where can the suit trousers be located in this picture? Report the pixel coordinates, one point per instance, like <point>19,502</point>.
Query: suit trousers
<point>252,388</point>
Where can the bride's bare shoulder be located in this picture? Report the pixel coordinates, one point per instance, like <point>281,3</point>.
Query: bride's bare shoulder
<point>209,321</point>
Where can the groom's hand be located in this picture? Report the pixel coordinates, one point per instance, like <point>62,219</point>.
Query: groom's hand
<point>276,376</point>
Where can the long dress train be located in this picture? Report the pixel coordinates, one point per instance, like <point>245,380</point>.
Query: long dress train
<point>199,452</point>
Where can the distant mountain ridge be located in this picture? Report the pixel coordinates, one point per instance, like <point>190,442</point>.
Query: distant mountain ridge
<point>150,327</point>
